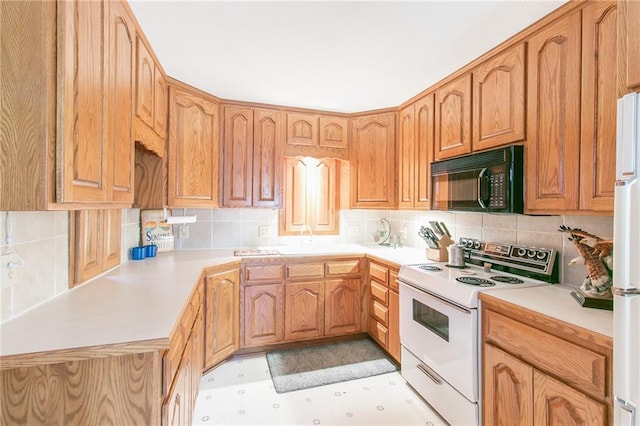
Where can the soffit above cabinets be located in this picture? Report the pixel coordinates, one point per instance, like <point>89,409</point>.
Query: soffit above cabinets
<point>344,56</point>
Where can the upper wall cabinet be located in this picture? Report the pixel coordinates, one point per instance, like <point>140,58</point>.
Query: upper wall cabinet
<point>571,141</point>
<point>67,89</point>
<point>415,151</point>
<point>498,99</point>
<point>316,135</point>
<point>629,45</point>
<point>453,118</point>
<point>252,157</point>
<point>372,157</point>
<point>193,148</point>
<point>151,100</point>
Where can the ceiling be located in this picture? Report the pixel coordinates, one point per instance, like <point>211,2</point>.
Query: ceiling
<point>343,56</point>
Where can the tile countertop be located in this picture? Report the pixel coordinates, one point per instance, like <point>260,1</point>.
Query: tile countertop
<point>139,301</point>
<point>555,301</point>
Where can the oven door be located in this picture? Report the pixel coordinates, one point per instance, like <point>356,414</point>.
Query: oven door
<point>443,335</point>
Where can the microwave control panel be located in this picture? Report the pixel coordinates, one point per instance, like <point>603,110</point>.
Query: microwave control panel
<point>497,194</point>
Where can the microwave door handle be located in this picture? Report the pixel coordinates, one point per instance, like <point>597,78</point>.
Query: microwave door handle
<point>481,176</point>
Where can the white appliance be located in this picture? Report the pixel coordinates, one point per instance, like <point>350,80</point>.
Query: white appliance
<point>439,324</point>
<point>626,265</point>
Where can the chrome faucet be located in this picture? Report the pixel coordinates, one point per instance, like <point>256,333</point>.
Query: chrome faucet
<point>310,232</point>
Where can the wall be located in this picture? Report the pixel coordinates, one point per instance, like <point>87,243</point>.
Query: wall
<point>239,228</point>
<point>41,240</point>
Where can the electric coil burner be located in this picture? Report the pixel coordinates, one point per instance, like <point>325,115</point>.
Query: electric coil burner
<point>431,268</point>
<point>475,281</point>
<point>505,279</point>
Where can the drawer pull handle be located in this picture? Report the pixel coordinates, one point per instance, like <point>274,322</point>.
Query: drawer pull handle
<point>429,373</point>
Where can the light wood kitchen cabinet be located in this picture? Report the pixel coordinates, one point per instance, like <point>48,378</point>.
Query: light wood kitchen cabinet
<point>287,300</point>
<point>541,371</point>
<point>499,99</point>
<point>415,152</point>
<point>598,106</point>
<point>569,161</point>
<point>193,148</point>
<point>384,322</point>
<point>95,243</point>
<point>373,161</point>
<point>251,157</point>
<point>453,118</point>
<point>311,196</point>
<point>304,310</point>
<point>317,135</point>
<point>629,46</point>
<point>151,99</point>
<point>222,316</point>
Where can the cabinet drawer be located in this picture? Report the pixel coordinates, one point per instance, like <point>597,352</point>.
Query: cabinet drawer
<point>343,267</point>
<point>379,292</point>
<point>393,280</point>
<point>379,312</point>
<point>379,332</point>
<point>575,364</point>
<point>305,270</point>
<point>262,273</point>
<point>379,273</point>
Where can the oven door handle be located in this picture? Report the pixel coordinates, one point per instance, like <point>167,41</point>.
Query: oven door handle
<point>429,373</point>
<point>445,301</point>
<point>481,178</point>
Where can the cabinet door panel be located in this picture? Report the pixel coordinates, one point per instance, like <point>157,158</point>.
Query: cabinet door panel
<point>302,129</point>
<point>406,157</point>
<point>333,132</point>
<point>498,100</point>
<point>304,310</point>
<point>238,155</point>
<point>88,261</point>
<point>424,140</point>
<point>222,321</point>
<point>508,389</point>
<point>630,44</point>
<point>264,314</point>
<point>599,95</point>
<point>557,404</point>
<point>193,149</point>
<point>82,138</point>
<point>342,306</point>
<point>553,142</point>
<point>453,118</point>
<point>144,93</point>
<point>160,95</point>
<point>267,158</point>
<point>121,90</point>
<point>112,231</point>
<point>324,199</point>
<point>373,153</point>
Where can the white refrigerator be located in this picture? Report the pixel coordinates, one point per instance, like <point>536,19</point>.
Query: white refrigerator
<point>626,265</point>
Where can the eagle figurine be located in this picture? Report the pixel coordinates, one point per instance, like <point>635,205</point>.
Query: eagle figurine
<point>597,255</point>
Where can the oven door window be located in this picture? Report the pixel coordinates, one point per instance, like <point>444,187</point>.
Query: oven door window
<point>431,319</point>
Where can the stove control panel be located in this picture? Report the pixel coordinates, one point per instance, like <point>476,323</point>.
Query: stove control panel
<point>518,258</point>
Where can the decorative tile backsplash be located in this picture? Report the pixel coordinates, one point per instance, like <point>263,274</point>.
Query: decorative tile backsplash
<point>41,240</point>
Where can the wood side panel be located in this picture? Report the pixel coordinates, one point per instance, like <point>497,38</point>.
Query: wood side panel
<point>304,310</point>
<point>342,306</point>
<point>82,157</point>
<point>553,143</point>
<point>453,118</point>
<point>599,96</point>
<point>394,326</point>
<point>268,141</point>
<point>424,140</point>
<point>193,150</point>
<point>151,180</point>
<point>237,160</point>
<point>499,99</point>
<point>406,157</point>
<point>507,389</point>
<point>121,96</point>
<point>557,404</point>
<point>122,389</point>
<point>373,154</point>
<point>27,114</point>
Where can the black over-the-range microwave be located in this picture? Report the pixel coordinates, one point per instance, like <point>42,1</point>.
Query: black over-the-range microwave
<point>489,181</point>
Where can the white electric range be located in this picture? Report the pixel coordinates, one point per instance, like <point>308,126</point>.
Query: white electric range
<point>439,324</point>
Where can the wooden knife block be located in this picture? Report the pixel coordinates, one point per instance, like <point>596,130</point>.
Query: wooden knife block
<point>440,254</point>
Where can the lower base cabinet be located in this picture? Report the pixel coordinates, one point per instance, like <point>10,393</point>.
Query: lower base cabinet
<point>537,372</point>
<point>222,316</point>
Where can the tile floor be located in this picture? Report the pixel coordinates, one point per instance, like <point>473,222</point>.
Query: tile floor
<point>240,392</point>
